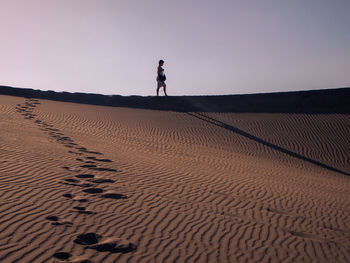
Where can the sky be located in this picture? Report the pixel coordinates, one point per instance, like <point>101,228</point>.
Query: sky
<point>210,47</point>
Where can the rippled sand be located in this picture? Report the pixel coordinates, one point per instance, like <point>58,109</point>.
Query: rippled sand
<point>82,183</point>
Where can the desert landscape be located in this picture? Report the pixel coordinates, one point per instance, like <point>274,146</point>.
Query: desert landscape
<point>95,183</point>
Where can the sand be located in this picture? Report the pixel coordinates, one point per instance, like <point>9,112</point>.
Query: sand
<point>84,183</point>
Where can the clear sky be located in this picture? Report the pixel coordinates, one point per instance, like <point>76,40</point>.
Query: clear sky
<point>209,46</point>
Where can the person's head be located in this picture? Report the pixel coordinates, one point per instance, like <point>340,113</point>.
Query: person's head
<point>161,62</point>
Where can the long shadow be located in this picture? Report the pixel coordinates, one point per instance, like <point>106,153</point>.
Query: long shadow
<point>263,142</point>
<point>328,101</point>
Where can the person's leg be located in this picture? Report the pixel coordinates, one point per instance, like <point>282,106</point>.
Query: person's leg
<point>164,87</point>
<point>158,87</point>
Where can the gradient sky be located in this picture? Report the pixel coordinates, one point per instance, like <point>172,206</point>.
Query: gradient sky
<point>209,46</point>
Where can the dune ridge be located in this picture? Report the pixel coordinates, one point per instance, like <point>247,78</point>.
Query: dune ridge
<point>173,187</point>
<point>311,101</point>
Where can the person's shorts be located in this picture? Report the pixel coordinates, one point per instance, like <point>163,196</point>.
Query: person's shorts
<point>160,84</point>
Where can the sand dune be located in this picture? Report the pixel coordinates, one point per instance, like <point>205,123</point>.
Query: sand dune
<point>85,183</point>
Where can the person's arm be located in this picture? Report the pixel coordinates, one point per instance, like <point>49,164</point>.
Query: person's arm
<point>160,71</point>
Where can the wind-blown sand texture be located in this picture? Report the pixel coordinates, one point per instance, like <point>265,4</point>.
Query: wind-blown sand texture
<point>84,183</point>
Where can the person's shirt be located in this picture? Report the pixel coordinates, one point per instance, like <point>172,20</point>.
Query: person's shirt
<point>160,71</point>
<point>160,74</point>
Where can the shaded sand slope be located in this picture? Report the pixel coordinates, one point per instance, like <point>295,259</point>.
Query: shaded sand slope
<point>171,187</point>
<point>310,101</point>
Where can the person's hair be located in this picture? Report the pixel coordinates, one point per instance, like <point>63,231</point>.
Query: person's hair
<point>161,61</point>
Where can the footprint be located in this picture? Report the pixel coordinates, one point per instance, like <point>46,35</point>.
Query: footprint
<point>71,180</point>
<point>98,153</point>
<point>81,148</point>
<point>113,245</point>
<point>46,124</point>
<point>114,196</point>
<point>64,138</point>
<point>52,218</point>
<point>88,166</point>
<point>62,255</point>
<point>63,223</point>
<point>75,153</point>
<point>71,170</point>
<point>52,129</point>
<point>93,190</point>
<point>74,182</point>
<point>82,210</point>
<point>85,176</point>
<point>76,198</point>
<point>99,160</point>
<point>101,180</point>
<point>56,221</point>
<point>103,169</point>
<point>87,239</point>
<point>80,199</point>
<point>70,196</point>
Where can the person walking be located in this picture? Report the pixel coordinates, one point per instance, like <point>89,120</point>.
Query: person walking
<point>161,77</point>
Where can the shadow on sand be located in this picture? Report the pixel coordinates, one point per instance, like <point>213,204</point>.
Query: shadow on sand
<point>311,102</point>
<point>236,130</point>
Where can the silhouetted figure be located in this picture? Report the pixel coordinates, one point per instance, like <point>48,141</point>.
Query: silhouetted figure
<point>161,78</point>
